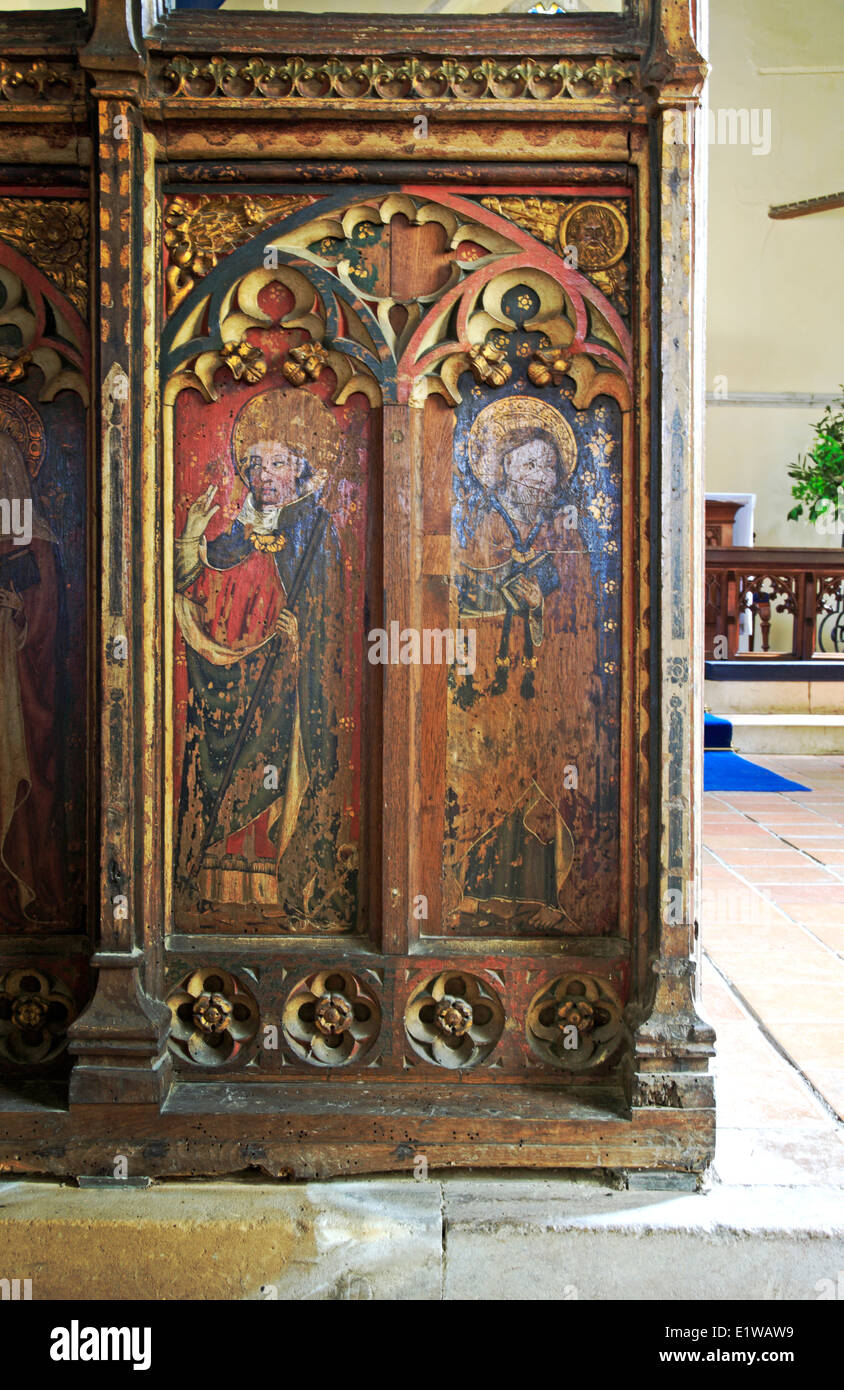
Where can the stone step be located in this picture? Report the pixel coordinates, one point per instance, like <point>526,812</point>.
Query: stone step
<point>787,733</point>
<point>453,1236</point>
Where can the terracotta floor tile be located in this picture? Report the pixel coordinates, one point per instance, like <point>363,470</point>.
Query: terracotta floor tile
<point>716,999</point>
<point>814,1044</point>
<point>768,875</point>
<point>831,934</point>
<point>833,857</point>
<point>816,915</point>
<point>741,858</point>
<point>810,893</point>
<point>813,841</point>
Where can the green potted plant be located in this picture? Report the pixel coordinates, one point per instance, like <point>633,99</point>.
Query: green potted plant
<point>818,476</point>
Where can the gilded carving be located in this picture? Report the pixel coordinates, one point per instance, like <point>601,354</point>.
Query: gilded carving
<point>575,1022</point>
<point>35,1011</point>
<point>53,234</point>
<point>454,1020</point>
<point>597,230</point>
<point>331,1019</point>
<point>397,79</point>
<point>244,361</point>
<point>38,81</point>
<point>214,1017</point>
<point>202,229</point>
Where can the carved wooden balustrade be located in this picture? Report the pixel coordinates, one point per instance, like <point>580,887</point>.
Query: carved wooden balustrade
<point>760,581</point>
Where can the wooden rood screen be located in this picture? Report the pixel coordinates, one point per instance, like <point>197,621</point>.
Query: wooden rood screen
<point>348,651</point>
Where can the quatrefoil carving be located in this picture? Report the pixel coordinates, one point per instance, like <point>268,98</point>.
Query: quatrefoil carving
<point>454,1020</point>
<point>331,1019</point>
<point>575,1022</point>
<point>214,1017</point>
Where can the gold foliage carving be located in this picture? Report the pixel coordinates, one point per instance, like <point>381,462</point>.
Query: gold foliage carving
<point>396,79</point>
<point>305,363</point>
<point>53,234</point>
<point>244,361</point>
<point>199,231</point>
<point>38,81</point>
<point>14,368</point>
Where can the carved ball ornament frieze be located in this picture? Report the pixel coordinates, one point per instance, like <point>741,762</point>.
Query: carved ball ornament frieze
<point>454,1020</point>
<point>574,1022</point>
<point>35,1012</point>
<point>331,1018</point>
<point>397,79</point>
<point>214,1017</point>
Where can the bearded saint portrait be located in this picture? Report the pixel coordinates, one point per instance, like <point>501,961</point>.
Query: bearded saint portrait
<point>261,791</point>
<point>32,632</point>
<point>526,716</point>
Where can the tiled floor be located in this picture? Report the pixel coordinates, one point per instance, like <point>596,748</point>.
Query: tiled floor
<point>773,974</point>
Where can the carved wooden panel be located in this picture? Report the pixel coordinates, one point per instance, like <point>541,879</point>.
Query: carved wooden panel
<point>389,686</point>
<point>43,625</point>
<point>397,423</point>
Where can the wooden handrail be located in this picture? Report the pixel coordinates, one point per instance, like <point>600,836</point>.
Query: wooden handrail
<point>763,580</point>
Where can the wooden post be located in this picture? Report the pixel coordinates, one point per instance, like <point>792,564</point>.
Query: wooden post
<point>120,1039</point>
<point>673,1044</point>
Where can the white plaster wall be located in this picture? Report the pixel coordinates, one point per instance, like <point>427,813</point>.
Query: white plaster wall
<point>775,288</point>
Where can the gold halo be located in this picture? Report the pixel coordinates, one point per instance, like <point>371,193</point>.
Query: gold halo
<point>496,421</point>
<point>295,417</point>
<point>24,425</point>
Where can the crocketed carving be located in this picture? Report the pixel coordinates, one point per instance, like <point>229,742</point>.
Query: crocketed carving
<point>215,1017</point>
<point>454,1019</point>
<point>575,1022</point>
<point>331,1018</point>
<point>35,1011</point>
<point>397,79</point>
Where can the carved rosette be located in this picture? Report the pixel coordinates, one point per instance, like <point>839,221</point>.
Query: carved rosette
<point>575,1022</point>
<point>454,1019</point>
<point>35,1012</point>
<point>214,1017</point>
<point>331,1019</point>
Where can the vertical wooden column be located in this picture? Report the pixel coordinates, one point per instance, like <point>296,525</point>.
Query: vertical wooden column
<point>673,1045</point>
<point>120,1039</point>
<point>402,609</point>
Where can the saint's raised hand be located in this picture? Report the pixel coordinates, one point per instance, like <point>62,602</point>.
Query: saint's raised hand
<point>200,513</point>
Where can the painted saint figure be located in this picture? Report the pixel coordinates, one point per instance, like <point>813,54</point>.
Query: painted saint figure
<point>32,828</point>
<point>522,578</point>
<point>273,839</point>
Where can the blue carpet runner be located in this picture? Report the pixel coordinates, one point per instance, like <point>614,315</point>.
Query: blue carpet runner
<point>725,771</point>
<point>717,732</point>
